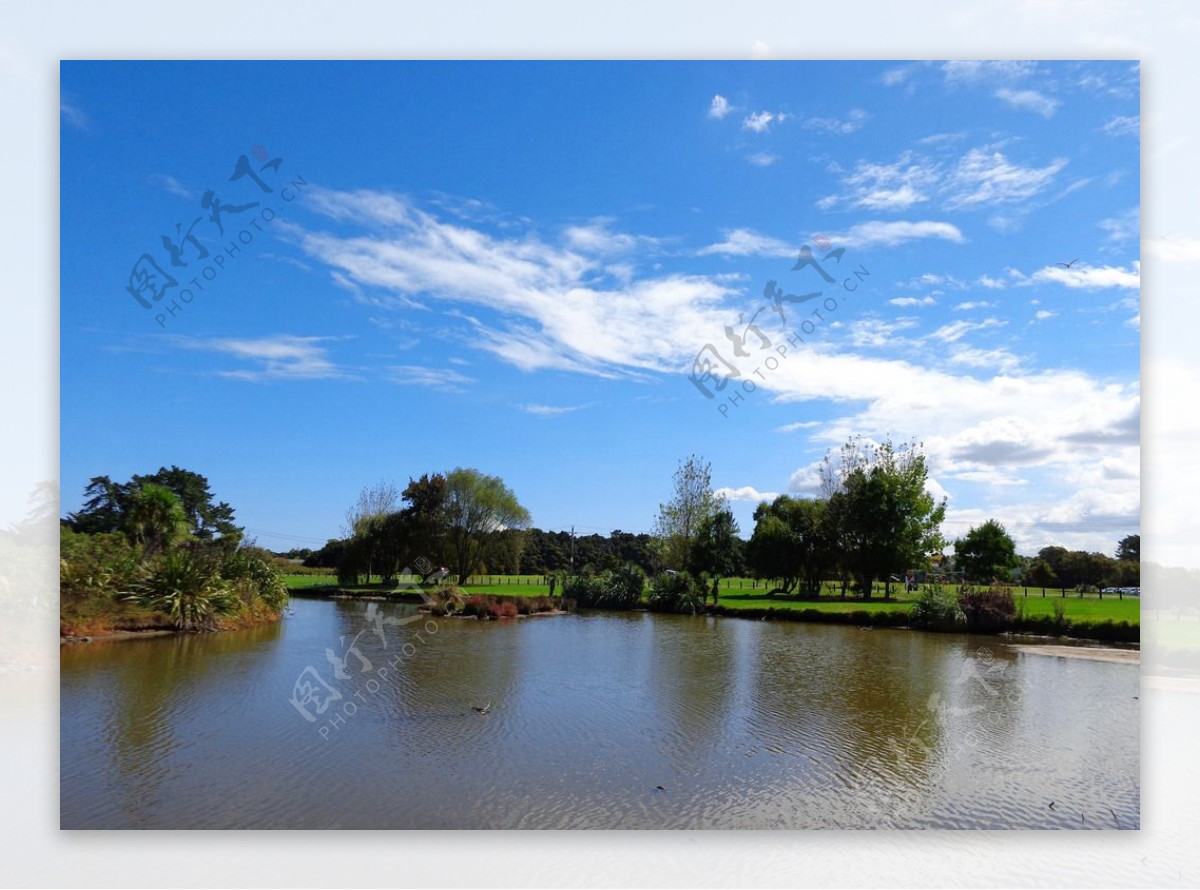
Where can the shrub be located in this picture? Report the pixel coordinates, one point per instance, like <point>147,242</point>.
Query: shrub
<point>186,586</point>
<point>937,609</point>
<point>989,610</point>
<point>254,574</point>
<point>677,592</point>
<point>101,565</point>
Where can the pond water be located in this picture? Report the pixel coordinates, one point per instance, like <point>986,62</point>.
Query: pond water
<point>596,720</point>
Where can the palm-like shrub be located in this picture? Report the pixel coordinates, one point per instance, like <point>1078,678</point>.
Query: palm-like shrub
<point>678,592</point>
<point>619,589</point>
<point>188,587</point>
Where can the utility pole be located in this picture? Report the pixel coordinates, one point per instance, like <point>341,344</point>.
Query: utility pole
<point>572,550</point>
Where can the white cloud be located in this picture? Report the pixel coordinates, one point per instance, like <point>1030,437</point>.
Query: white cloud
<point>1123,126</point>
<point>852,123</point>
<point>1000,360</point>
<point>956,330</point>
<point>442,379</point>
<point>983,176</point>
<point>798,425</point>
<point>1044,315</point>
<point>875,333</point>
<point>73,115</point>
<point>895,76</point>
<point>759,121</point>
<point>745,493</point>
<point>992,283</point>
<point>1124,227</point>
<point>1087,277</point>
<point>889,234</point>
<point>762,159</point>
<point>1029,100</point>
<point>720,107</point>
<point>986,176</point>
<point>913,301</point>
<point>747,242</point>
<point>973,304</point>
<point>551,410</point>
<point>971,71</point>
<point>281,357</point>
<point>171,185</point>
<point>597,237</point>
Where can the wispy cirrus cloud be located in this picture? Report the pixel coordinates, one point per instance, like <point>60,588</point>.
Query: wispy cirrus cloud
<point>75,116</point>
<point>279,357</point>
<point>1123,125</point>
<point>442,379</point>
<point>851,123</point>
<point>552,410</point>
<point>171,185</point>
<point>983,176</point>
<point>1029,100</point>
<point>969,71</point>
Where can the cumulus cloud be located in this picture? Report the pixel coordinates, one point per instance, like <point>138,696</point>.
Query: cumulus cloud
<point>719,107</point>
<point>746,493</point>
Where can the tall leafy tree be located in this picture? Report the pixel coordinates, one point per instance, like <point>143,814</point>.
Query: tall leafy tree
<point>886,520</point>
<point>106,503</point>
<point>1130,547</point>
<point>680,518</point>
<point>986,552</point>
<point>715,549</point>
<point>793,542</point>
<point>478,507</point>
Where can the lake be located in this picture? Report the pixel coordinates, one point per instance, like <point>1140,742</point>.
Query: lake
<point>596,720</point>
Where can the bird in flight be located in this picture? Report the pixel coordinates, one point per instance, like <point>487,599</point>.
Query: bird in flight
<point>1070,264</point>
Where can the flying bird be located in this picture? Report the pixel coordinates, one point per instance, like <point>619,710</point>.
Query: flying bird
<point>1068,265</point>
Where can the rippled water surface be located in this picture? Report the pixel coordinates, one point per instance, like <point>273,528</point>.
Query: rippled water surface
<point>596,721</point>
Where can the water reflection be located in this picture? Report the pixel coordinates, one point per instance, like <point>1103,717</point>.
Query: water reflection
<point>743,725</point>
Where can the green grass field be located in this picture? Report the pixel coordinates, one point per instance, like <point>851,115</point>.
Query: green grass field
<point>746,593</point>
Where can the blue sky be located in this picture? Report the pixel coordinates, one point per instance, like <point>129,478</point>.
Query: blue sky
<point>515,266</point>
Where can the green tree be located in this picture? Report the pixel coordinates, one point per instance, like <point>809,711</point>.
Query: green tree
<point>792,541</point>
<point>154,519</point>
<point>680,518</point>
<point>1130,547</point>
<point>886,521</point>
<point>986,552</point>
<point>1039,573</point>
<point>106,503</point>
<point>715,548</point>
<point>478,507</point>
<point>366,528</point>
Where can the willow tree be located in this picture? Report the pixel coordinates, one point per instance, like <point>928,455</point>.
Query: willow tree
<point>477,509</point>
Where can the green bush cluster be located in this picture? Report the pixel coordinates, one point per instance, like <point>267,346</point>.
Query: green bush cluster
<point>677,592</point>
<point>937,608</point>
<point>616,589</point>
